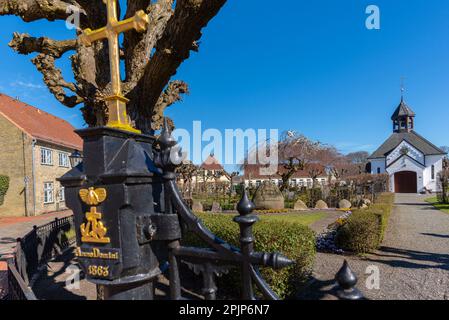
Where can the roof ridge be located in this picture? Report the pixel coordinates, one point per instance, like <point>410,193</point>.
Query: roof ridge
<point>25,104</point>
<point>39,124</point>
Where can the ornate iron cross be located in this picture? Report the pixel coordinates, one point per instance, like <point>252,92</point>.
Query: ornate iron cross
<point>116,102</point>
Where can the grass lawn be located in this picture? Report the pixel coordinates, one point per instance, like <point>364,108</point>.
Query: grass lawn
<point>301,218</point>
<point>440,206</point>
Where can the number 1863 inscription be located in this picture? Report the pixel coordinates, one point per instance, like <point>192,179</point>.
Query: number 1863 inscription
<point>98,271</point>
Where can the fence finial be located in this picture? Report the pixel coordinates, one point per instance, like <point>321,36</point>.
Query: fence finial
<point>347,281</point>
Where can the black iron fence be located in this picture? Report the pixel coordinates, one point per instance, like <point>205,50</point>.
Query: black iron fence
<point>33,251</point>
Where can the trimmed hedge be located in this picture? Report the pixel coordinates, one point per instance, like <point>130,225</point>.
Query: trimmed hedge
<point>4,186</point>
<point>294,240</point>
<point>364,231</point>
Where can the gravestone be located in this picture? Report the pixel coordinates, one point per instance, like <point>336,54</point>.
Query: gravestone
<point>268,196</point>
<point>300,206</point>
<point>321,205</point>
<point>344,204</point>
<point>216,207</point>
<point>197,206</point>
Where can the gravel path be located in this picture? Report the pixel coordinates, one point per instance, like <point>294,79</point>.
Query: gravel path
<point>413,262</point>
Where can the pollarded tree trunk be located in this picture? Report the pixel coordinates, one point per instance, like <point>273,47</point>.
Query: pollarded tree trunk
<point>151,58</point>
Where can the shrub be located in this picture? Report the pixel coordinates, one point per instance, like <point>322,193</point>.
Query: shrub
<point>360,234</point>
<point>294,240</point>
<point>365,229</point>
<point>4,186</point>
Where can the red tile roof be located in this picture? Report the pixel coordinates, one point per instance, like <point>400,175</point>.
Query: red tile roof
<point>252,171</point>
<point>39,124</point>
<point>211,163</point>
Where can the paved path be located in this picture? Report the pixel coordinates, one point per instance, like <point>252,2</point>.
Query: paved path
<point>12,228</point>
<point>413,262</point>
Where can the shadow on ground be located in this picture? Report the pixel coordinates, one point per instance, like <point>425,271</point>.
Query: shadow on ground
<point>410,258</point>
<point>51,283</point>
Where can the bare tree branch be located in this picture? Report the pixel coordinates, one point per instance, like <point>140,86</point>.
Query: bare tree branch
<point>139,46</point>
<point>26,44</point>
<point>180,37</point>
<point>49,50</point>
<point>32,10</point>
<point>171,95</point>
<point>54,80</point>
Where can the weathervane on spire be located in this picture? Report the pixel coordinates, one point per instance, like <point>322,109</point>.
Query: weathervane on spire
<point>402,87</point>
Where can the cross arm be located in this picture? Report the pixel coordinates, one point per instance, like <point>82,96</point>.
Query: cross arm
<point>88,36</point>
<point>139,23</point>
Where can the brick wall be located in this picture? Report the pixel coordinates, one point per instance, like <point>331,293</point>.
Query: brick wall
<point>15,160</point>
<point>49,173</point>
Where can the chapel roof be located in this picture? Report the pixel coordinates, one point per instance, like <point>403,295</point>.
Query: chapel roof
<point>402,110</point>
<point>211,163</point>
<point>416,140</point>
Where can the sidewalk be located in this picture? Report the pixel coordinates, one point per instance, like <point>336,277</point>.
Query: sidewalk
<point>12,228</point>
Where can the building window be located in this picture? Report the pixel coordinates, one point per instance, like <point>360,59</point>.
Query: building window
<point>61,195</point>
<point>378,170</point>
<point>433,172</point>
<point>48,192</point>
<point>46,156</point>
<point>63,160</point>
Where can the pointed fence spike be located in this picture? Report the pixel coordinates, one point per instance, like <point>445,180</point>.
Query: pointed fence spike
<point>346,284</point>
<point>245,206</point>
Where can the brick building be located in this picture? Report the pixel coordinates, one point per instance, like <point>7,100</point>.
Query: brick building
<point>35,148</point>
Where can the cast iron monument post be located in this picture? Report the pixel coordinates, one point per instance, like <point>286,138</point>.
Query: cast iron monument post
<point>114,193</point>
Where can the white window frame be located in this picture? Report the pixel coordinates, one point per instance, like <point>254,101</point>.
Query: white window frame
<point>49,192</point>
<point>46,156</point>
<point>65,156</point>
<point>61,195</point>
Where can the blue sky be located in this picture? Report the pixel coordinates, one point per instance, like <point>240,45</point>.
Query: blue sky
<point>309,66</point>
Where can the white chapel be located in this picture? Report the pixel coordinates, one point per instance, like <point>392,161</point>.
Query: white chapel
<point>411,161</point>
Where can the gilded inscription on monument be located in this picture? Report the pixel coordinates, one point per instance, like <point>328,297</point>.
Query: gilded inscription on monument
<point>94,231</point>
<point>96,253</point>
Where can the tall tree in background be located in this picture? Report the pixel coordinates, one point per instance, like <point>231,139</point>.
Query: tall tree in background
<point>359,159</point>
<point>150,59</point>
<point>295,152</point>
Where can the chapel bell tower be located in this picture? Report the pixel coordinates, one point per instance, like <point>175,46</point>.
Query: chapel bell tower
<point>403,118</point>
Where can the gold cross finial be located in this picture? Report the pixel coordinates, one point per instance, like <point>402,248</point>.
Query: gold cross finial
<point>116,102</point>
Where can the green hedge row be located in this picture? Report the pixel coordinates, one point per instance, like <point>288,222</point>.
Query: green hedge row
<point>4,186</point>
<point>294,240</point>
<point>365,229</point>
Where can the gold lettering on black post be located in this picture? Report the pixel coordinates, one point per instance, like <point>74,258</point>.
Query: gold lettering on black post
<point>93,231</point>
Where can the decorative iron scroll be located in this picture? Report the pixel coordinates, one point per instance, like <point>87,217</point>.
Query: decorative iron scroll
<point>220,255</point>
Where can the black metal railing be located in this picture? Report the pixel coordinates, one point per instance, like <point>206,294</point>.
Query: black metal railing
<point>33,251</point>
